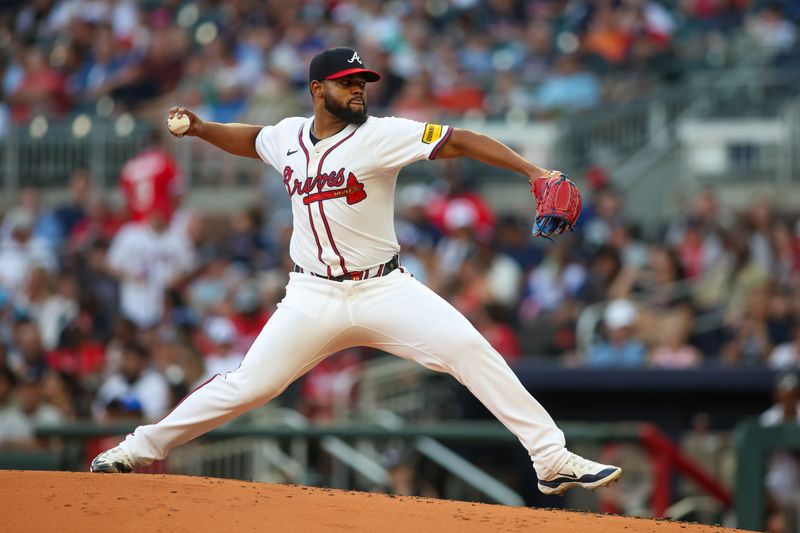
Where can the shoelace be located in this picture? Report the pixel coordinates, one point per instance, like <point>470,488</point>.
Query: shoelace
<point>580,462</point>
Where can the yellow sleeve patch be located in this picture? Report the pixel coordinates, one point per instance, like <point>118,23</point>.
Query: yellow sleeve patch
<point>432,133</point>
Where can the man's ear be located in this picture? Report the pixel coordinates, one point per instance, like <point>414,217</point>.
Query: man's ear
<point>315,88</point>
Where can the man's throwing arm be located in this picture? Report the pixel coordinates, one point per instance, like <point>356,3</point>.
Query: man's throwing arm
<point>236,139</point>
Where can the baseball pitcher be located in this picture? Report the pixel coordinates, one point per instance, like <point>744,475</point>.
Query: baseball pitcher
<point>349,287</point>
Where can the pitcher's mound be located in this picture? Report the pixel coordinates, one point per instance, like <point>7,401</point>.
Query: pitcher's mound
<point>83,503</point>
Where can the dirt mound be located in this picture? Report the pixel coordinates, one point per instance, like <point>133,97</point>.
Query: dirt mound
<point>78,502</point>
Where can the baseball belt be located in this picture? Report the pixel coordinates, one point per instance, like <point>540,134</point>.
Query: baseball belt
<point>382,270</point>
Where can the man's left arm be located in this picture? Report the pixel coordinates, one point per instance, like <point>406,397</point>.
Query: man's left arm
<point>467,143</point>
<point>558,200</point>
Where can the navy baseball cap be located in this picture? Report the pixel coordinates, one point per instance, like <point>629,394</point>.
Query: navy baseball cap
<point>335,63</point>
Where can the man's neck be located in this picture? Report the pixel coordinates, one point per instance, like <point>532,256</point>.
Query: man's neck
<point>326,125</point>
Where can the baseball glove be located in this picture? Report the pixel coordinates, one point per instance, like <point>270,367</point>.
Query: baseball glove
<point>558,204</point>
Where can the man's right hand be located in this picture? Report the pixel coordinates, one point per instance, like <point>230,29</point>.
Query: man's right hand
<point>196,124</point>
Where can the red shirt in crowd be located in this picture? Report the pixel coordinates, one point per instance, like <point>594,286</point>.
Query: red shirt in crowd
<point>151,182</point>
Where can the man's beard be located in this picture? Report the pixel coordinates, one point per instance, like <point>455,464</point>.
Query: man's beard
<point>345,112</point>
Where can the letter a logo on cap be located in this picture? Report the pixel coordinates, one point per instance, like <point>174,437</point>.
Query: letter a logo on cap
<point>355,58</point>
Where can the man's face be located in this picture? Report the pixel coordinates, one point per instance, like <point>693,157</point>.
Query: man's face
<point>132,366</point>
<point>346,98</point>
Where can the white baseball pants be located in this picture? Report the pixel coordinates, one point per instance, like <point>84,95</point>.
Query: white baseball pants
<point>319,317</point>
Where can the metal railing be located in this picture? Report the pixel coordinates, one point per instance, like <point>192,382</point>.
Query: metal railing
<point>387,384</point>
<point>665,457</point>
<point>392,391</point>
<point>753,445</point>
<point>44,155</point>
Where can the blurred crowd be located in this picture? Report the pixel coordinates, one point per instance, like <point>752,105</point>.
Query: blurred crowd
<point>246,60</point>
<point>114,310</point>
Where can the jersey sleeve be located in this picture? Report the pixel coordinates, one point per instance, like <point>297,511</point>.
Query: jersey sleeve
<point>402,141</point>
<point>267,145</point>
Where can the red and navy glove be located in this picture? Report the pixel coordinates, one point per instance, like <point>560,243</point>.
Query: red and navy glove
<point>558,204</point>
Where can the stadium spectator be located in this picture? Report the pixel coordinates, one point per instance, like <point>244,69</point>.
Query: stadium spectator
<point>659,285</point>
<point>750,341</point>
<point>44,225</point>
<point>621,347</point>
<point>98,286</point>
<point>786,356</point>
<point>330,385</point>
<point>770,30</point>
<point>760,218</point>
<point>674,351</point>
<point>151,181</point>
<point>72,212</point>
<point>558,278</point>
<point>245,244</point>
<point>729,282</point>
<point>27,358</point>
<point>49,308</point>
<point>606,36</point>
<point>459,96</point>
<point>97,229</point>
<point>35,409</point>
<point>698,234</point>
<point>103,64</point>
<point>538,52</point>
<point>633,252</point>
<point>603,214</point>
<point>77,354</point>
<point>416,101</point>
<point>159,70</point>
<point>65,393</point>
<point>416,257</point>
<point>492,321</point>
<point>569,88</point>
<point>786,250</point>
<point>149,260</point>
<point>208,291</point>
<point>136,387</point>
<point>224,356</point>
<point>249,314</point>
<point>41,89</point>
<point>549,309</point>
<point>513,240</point>
<point>604,268</point>
<point>15,432</point>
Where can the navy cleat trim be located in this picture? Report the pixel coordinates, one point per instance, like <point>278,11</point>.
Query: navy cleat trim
<point>588,478</point>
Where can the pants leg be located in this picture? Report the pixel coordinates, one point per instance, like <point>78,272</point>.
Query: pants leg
<point>309,325</point>
<point>409,320</point>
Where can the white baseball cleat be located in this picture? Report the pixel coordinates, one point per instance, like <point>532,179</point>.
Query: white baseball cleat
<point>579,472</point>
<point>114,460</point>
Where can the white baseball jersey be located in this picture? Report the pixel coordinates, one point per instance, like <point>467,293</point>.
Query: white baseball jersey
<point>342,188</point>
<point>149,261</point>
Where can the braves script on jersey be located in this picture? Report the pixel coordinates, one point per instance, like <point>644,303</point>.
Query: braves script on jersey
<point>342,188</point>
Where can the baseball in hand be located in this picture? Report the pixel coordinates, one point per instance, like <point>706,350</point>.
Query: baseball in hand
<point>179,124</point>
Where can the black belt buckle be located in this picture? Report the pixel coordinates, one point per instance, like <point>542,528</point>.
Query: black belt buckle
<point>391,265</point>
